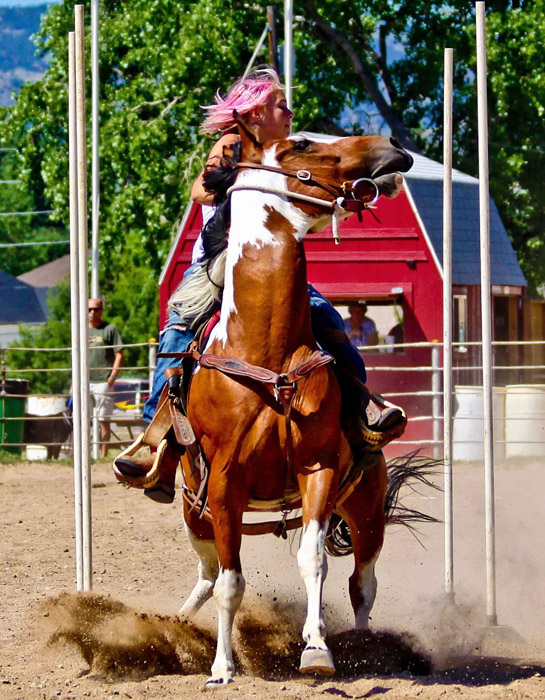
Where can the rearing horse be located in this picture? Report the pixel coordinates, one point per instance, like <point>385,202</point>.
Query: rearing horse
<point>283,190</point>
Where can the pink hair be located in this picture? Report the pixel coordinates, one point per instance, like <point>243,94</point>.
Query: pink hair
<point>244,96</point>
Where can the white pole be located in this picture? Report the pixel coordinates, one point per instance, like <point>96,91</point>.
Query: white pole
<point>95,165</point>
<point>486,304</point>
<point>288,50</point>
<point>436,396</point>
<point>83,295</point>
<point>74,310</point>
<point>447,323</point>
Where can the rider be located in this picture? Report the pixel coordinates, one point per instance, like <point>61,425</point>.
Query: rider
<point>260,99</point>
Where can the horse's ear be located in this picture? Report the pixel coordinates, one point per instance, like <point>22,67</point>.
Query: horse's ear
<point>251,148</point>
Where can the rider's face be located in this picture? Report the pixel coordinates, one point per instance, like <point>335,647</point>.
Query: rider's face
<point>275,118</point>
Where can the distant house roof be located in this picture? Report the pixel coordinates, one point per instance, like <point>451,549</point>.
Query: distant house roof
<point>425,184</point>
<point>19,302</point>
<point>48,275</point>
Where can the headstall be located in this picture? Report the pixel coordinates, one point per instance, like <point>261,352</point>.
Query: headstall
<point>346,196</point>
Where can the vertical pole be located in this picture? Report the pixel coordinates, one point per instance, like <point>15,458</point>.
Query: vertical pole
<point>436,396</point>
<point>273,46</point>
<point>83,295</point>
<point>288,50</point>
<point>486,304</point>
<point>74,308</point>
<point>152,361</point>
<point>447,322</point>
<point>95,165</point>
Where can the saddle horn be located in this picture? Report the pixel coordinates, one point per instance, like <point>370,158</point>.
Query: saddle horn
<point>245,128</point>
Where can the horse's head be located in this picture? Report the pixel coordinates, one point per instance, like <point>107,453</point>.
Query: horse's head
<point>321,171</point>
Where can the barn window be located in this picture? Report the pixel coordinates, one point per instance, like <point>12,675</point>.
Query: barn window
<point>459,314</point>
<point>373,322</point>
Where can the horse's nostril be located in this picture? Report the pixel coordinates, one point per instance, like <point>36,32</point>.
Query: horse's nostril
<point>395,143</point>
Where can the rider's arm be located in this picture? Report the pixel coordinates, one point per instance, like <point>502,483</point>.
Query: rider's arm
<point>198,193</point>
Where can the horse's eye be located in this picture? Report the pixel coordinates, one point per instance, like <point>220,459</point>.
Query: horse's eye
<point>302,145</point>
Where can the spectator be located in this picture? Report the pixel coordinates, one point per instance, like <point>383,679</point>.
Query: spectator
<point>105,360</point>
<point>360,328</point>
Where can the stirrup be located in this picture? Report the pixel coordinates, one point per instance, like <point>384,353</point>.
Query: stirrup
<point>147,480</point>
<point>380,438</point>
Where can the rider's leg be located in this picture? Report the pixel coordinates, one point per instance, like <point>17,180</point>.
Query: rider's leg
<point>176,337</point>
<point>376,415</point>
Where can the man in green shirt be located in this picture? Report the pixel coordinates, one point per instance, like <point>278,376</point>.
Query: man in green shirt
<point>105,360</point>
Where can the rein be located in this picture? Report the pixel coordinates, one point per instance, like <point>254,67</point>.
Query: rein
<point>341,193</point>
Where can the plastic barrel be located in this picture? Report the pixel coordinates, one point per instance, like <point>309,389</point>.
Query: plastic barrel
<point>525,420</point>
<point>468,428</point>
<point>12,405</point>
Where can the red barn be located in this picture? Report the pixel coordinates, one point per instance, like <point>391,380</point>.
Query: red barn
<point>394,264</point>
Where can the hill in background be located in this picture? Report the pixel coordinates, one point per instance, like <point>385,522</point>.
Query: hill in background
<point>18,61</point>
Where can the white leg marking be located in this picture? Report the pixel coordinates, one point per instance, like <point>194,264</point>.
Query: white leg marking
<point>208,573</point>
<point>367,584</point>
<point>228,593</point>
<point>312,564</point>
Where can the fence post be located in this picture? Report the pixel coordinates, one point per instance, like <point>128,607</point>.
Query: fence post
<point>96,434</point>
<point>436,397</point>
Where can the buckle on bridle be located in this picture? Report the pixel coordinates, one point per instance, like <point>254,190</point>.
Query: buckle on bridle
<point>304,175</point>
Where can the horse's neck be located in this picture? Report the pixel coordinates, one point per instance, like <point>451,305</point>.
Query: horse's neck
<point>265,313</point>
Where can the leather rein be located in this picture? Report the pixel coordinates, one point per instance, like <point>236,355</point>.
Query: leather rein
<point>346,196</point>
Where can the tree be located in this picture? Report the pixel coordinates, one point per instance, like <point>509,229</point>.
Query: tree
<point>390,56</point>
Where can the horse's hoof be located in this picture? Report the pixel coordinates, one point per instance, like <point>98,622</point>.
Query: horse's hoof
<point>218,682</point>
<point>318,661</point>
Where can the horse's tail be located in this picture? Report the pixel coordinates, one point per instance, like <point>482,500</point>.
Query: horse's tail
<point>411,470</point>
<point>200,291</point>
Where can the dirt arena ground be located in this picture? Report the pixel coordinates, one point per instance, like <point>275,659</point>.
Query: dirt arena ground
<point>124,641</point>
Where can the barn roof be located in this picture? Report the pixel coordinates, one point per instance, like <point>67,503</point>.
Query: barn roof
<point>425,185</point>
<point>18,302</point>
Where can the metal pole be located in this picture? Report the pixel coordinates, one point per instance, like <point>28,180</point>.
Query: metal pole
<point>74,309</point>
<point>83,296</point>
<point>288,50</point>
<point>273,46</point>
<point>447,323</point>
<point>486,304</point>
<point>436,396</point>
<point>95,164</point>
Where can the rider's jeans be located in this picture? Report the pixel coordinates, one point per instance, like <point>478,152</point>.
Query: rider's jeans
<point>324,317</point>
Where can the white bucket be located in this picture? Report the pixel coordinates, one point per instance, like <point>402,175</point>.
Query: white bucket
<point>468,428</point>
<point>45,404</point>
<point>36,453</point>
<point>525,420</point>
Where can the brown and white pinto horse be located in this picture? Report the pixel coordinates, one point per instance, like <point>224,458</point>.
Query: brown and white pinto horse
<point>265,320</point>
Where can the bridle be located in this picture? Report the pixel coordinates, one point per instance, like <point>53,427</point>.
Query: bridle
<point>346,197</point>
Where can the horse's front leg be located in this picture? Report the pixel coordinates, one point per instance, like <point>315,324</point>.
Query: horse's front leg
<point>227,509</point>
<point>317,490</point>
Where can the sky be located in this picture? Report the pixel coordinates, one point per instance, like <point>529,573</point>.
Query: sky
<point>23,3</point>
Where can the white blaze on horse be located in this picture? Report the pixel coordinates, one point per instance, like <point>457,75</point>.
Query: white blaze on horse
<point>282,445</point>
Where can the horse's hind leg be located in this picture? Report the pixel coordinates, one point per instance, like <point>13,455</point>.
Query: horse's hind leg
<point>201,537</point>
<point>364,512</point>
